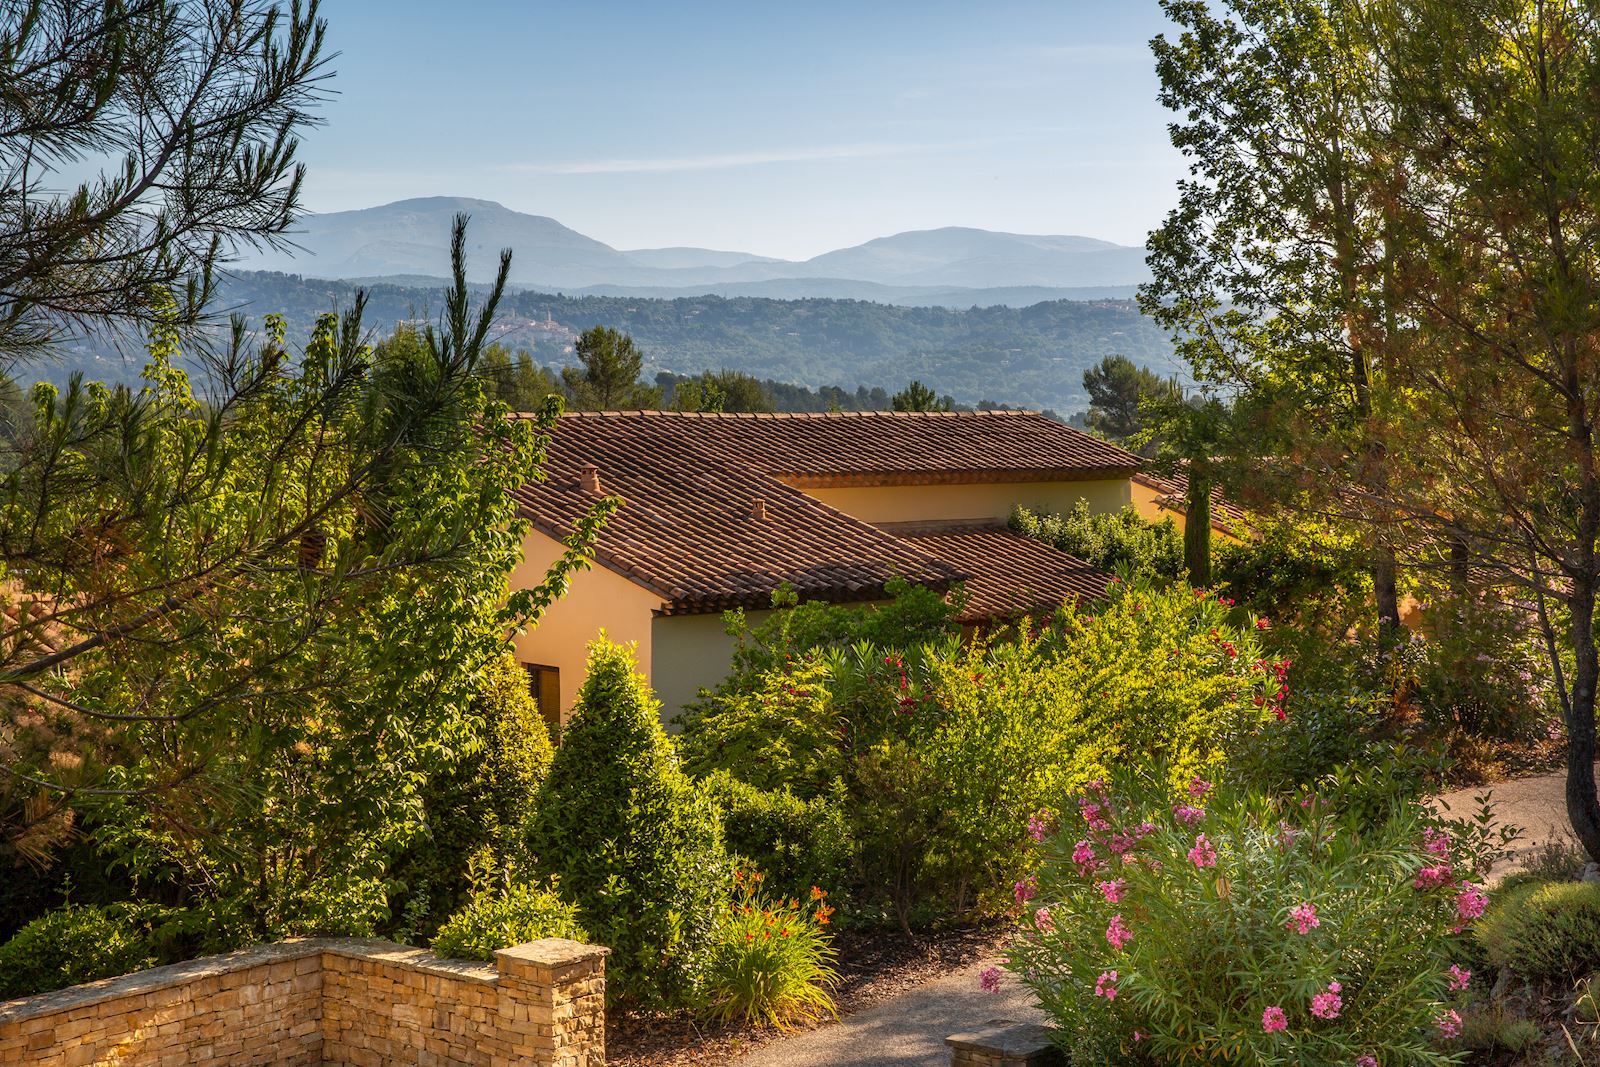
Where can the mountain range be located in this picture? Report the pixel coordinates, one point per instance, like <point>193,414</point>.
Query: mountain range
<point>952,266</point>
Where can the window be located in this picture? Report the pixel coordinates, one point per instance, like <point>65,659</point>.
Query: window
<point>545,685</point>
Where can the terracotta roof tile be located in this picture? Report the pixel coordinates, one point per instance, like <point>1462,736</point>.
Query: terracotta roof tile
<point>1012,575</point>
<point>1173,494</point>
<point>687,529</point>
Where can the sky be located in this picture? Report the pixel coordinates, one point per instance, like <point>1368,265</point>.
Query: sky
<point>780,129</point>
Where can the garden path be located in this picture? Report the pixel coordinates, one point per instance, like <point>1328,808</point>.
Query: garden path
<point>1538,805</point>
<point>903,1031</point>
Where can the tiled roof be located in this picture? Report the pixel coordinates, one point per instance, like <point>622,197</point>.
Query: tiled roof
<point>686,529</point>
<point>690,483</point>
<point>888,447</point>
<point>1012,575</point>
<point>1173,494</point>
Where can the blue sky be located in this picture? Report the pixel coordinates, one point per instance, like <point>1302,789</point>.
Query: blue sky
<point>779,129</point>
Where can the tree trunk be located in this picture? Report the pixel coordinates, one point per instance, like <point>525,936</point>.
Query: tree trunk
<point>1197,529</point>
<point>1386,592</point>
<point>1583,808</point>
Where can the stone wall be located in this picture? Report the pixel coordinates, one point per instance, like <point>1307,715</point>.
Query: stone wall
<point>326,1001</point>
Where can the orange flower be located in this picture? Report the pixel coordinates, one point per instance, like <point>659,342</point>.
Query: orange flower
<point>817,893</point>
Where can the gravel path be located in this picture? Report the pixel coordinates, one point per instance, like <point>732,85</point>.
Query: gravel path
<point>1537,805</point>
<point>903,1031</point>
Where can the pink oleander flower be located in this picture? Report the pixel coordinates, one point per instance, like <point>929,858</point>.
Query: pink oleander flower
<point>1287,836</point>
<point>1188,814</point>
<point>1145,829</point>
<point>1025,890</point>
<point>1459,978</point>
<point>1203,854</point>
<point>1436,842</point>
<point>1327,1005</point>
<point>989,979</point>
<point>1138,1035</point>
<point>1469,905</point>
<point>1273,1020</point>
<point>1367,1061</point>
<point>1303,918</point>
<point>1118,933</point>
<point>1044,922</point>
<point>1105,985</point>
<point>1039,825</point>
<point>1112,890</point>
<point>1199,787</point>
<point>1083,856</point>
<point>1121,844</point>
<point>1433,877</point>
<point>1449,1024</point>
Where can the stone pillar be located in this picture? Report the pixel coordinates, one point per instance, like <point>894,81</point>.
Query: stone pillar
<point>1003,1043</point>
<point>552,996</point>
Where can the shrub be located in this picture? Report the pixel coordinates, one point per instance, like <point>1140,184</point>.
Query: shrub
<point>1546,930</point>
<point>633,840</point>
<point>73,944</point>
<point>772,961</point>
<point>476,807</point>
<point>1310,579</point>
<point>1209,925</point>
<point>795,843</point>
<point>496,920</point>
<point>1115,541</point>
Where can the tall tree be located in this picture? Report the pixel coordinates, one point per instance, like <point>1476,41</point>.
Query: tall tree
<point>194,104</point>
<point>1116,387</point>
<point>918,397</point>
<point>1274,273</point>
<point>1494,198</point>
<point>608,377</point>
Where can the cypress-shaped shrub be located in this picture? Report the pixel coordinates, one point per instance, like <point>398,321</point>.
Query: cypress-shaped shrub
<point>632,839</point>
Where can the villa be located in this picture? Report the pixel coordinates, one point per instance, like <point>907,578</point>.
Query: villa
<point>721,510</point>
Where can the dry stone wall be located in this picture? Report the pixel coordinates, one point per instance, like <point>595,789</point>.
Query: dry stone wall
<point>326,1001</point>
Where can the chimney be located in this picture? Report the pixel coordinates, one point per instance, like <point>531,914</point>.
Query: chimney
<point>589,479</point>
<point>758,509</point>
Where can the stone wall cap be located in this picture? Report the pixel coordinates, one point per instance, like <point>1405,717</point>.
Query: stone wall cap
<point>1005,1037</point>
<point>417,959</point>
<point>553,952</point>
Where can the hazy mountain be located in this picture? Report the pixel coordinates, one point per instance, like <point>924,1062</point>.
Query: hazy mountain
<point>411,237</point>
<point>847,289</point>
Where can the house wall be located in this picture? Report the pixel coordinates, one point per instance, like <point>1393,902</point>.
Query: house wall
<point>979,501</point>
<point>688,652</point>
<point>1147,501</point>
<point>596,599</point>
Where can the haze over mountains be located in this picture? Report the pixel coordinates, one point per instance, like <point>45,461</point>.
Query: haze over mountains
<point>952,266</point>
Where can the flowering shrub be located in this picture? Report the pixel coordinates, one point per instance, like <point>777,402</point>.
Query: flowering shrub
<point>1213,925</point>
<point>772,960</point>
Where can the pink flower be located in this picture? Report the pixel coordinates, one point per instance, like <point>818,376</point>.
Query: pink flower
<point>1112,890</point>
<point>1433,877</point>
<point>1188,814</point>
<point>1273,1020</point>
<point>1121,844</point>
<point>1118,933</point>
<point>1024,890</point>
<point>1303,918</point>
<point>989,979</point>
<point>1093,814</point>
<point>1287,835</point>
<point>1138,1035</point>
<point>1199,787</point>
<point>1449,1024</point>
<point>1145,829</point>
<point>1039,825</point>
<point>1083,856</point>
<point>1327,1005</point>
<point>1044,922</point>
<point>1105,985</point>
<point>1367,1061</point>
<point>1203,854</point>
<point>1459,978</point>
<point>1469,904</point>
<point>1262,623</point>
<point>1436,842</point>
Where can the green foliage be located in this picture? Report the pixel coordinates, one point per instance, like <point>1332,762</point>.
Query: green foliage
<point>726,390</point>
<point>514,379</point>
<point>632,839</point>
<point>608,375</point>
<point>76,943</point>
<point>1544,930</point>
<point>1117,388</point>
<point>499,919</point>
<point>1193,917</point>
<point>940,753</point>
<point>772,961</point>
<point>1309,578</point>
<point>1120,541</point>
<point>918,397</point>
<point>476,808</point>
<point>796,844</point>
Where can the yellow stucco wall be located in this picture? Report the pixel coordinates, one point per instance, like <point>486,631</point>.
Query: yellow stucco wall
<point>918,503</point>
<point>1145,500</point>
<point>687,652</point>
<point>598,598</point>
